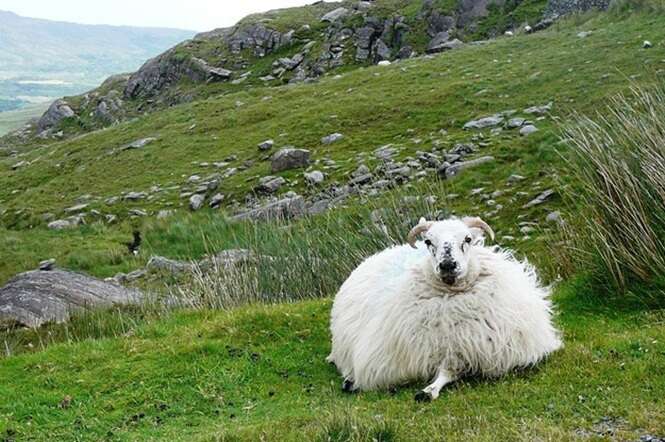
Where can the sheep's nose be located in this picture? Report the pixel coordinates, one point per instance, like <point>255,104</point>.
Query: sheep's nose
<point>447,267</point>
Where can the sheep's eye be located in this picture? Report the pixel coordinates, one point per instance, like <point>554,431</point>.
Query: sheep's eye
<point>467,240</point>
<point>428,243</point>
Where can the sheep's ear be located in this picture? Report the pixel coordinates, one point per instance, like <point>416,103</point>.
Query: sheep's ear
<point>422,221</point>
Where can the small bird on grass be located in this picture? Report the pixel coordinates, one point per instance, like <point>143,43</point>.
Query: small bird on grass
<point>135,245</point>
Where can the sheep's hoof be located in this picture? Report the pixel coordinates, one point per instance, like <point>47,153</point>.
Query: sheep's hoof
<point>423,396</point>
<point>348,387</point>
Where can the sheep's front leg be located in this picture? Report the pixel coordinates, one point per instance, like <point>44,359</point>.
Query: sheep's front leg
<point>431,392</point>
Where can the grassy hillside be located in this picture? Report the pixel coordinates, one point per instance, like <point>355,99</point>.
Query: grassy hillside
<point>259,374</point>
<point>407,104</point>
<point>248,362</point>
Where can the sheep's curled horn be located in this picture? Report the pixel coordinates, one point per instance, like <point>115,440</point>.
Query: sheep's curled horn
<point>478,223</point>
<point>424,225</point>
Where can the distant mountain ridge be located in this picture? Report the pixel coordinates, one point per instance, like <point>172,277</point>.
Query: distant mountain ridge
<point>43,48</point>
<point>41,60</point>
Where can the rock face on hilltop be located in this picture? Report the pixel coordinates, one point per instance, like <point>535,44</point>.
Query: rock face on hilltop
<point>34,298</point>
<point>300,45</point>
<point>167,70</point>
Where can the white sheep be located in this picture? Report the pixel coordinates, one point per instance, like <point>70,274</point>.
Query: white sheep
<point>446,308</point>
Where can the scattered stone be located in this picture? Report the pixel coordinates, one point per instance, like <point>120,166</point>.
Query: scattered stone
<point>138,144</point>
<point>384,63</point>
<point>286,208</point>
<point>163,214</point>
<point>76,208</point>
<point>196,202</point>
<point>332,138</point>
<point>64,224</point>
<point>20,164</point>
<point>584,34</point>
<point>528,130</point>
<point>290,158</point>
<point>647,44</point>
<point>137,212</point>
<point>360,171</point>
<point>335,15</point>
<point>527,229</point>
<point>159,263</point>
<point>361,180</point>
<point>540,199</point>
<point>485,122</point>
<point>134,196</point>
<point>315,177</point>
<point>34,298</point>
<point>216,201</point>
<point>227,259</point>
<point>514,123</point>
<point>539,110</point>
<point>269,184</point>
<point>266,145</point>
<point>515,178</point>
<point>554,218</point>
<point>455,169</point>
<point>385,152</point>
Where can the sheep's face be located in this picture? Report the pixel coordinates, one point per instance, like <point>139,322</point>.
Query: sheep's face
<point>450,245</point>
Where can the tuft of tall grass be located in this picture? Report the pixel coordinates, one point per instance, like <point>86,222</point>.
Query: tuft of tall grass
<point>618,159</point>
<point>299,260</point>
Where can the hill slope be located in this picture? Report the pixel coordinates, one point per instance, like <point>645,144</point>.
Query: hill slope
<point>407,105</point>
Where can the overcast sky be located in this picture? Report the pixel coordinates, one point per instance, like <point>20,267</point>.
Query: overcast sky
<point>196,15</point>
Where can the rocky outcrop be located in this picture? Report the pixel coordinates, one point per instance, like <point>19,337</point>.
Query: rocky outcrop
<point>35,298</point>
<point>256,37</point>
<point>58,111</point>
<point>167,70</point>
<point>286,208</point>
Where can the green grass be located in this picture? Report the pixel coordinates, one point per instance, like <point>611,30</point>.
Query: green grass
<point>259,372</point>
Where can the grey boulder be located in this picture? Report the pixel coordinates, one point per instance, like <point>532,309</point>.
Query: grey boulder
<point>58,111</point>
<point>37,297</point>
<point>456,168</point>
<point>485,122</point>
<point>282,209</point>
<point>336,14</point>
<point>289,158</point>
